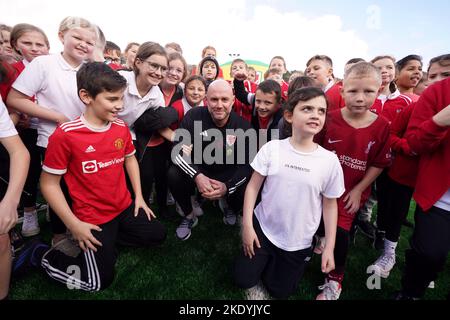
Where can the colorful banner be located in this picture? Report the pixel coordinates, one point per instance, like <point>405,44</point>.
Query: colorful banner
<point>259,66</point>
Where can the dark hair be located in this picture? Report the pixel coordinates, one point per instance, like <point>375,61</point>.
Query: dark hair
<point>442,60</point>
<point>302,94</point>
<point>355,60</point>
<point>96,77</point>
<point>111,46</point>
<point>401,64</point>
<point>209,58</point>
<point>301,82</point>
<point>269,86</point>
<point>148,49</point>
<point>194,78</point>
<point>322,57</point>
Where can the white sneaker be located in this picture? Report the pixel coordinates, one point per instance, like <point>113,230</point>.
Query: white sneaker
<point>384,264</point>
<point>331,290</point>
<point>67,245</point>
<point>196,208</point>
<point>257,292</point>
<point>30,226</point>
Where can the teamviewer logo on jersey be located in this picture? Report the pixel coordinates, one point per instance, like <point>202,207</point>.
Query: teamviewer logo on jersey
<point>89,166</point>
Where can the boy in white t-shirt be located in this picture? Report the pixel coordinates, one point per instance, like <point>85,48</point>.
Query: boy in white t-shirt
<point>301,180</point>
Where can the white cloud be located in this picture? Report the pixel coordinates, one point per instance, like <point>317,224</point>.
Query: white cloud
<point>257,33</point>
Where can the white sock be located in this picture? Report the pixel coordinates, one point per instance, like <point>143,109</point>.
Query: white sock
<point>389,247</point>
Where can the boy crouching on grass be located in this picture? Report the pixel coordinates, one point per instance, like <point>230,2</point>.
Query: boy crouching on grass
<point>91,153</point>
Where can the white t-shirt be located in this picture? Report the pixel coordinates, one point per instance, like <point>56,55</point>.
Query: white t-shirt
<point>7,128</point>
<point>291,206</point>
<point>134,105</point>
<point>54,84</point>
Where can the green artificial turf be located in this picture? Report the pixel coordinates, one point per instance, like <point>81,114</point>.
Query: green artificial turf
<point>200,268</point>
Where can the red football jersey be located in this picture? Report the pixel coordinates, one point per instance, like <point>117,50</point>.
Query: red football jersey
<point>242,109</point>
<point>334,97</point>
<point>391,107</point>
<point>92,162</point>
<point>357,150</point>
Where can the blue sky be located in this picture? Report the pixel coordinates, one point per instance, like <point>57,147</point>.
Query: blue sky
<point>256,29</point>
<point>406,26</point>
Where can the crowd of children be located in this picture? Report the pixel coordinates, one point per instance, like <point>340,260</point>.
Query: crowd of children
<point>93,129</point>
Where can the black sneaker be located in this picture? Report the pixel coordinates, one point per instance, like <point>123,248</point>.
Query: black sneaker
<point>29,257</point>
<point>366,228</point>
<point>401,296</point>
<point>16,239</point>
<point>379,240</point>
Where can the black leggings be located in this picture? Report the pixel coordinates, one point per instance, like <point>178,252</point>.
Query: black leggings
<point>29,138</point>
<point>153,168</point>
<point>399,201</point>
<point>341,249</point>
<point>279,270</point>
<point>429,247</point>
<point>56,223</point>
<point>183,187</point>
<point>93,271</point>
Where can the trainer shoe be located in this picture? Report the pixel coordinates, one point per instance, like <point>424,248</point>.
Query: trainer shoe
<point>67,245</point>
<point>320,245</point>
<point>366,228</point>
<point>378,243</point>
<point>196,206</point>
<point>29,257</point>
<point>183,231</point>
<point>229,217</point>
<point>30,226</point>
<point>384,264</point>
<point>41,206</point>
<point>400,295</point>
<point>331,290</point>
<point>257,292</point>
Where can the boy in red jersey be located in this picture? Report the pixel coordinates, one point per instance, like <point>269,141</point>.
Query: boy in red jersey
<point>360,140</point>
<point>92,152</point>
<point>320,68</point>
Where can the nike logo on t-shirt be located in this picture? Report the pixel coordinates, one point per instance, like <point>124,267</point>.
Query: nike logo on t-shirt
<point>333,141</point>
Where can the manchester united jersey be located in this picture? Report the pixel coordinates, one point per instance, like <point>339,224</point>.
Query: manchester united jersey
<point>92,162</point>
